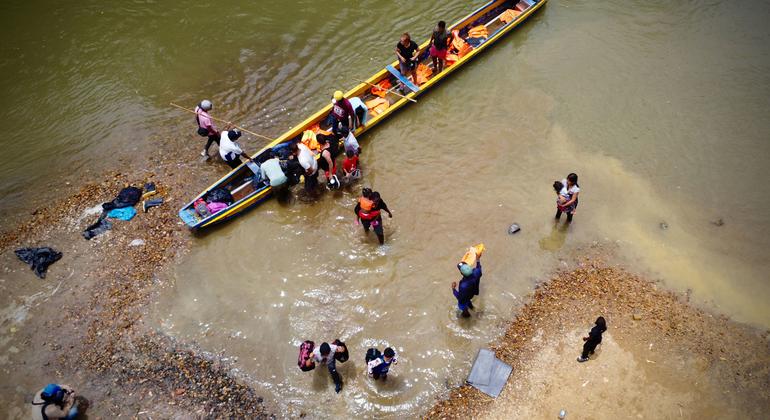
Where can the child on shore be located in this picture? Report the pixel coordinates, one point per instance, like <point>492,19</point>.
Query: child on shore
<point>594,339</point>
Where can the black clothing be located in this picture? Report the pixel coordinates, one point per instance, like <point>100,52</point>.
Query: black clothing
<point>322,163</point>
<point>212,139</point>
<point>407,52</point>
<point>234,163</point>
<point>440,39</point>
<point>594,339</point>
<point>38,258</point>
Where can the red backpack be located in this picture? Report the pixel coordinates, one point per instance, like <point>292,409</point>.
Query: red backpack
<point>305,354</point>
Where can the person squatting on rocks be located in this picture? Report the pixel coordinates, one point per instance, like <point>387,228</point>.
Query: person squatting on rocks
<point>594,339</point>
<point>377,364</point>
<point>55,402</point>
<point>571,190</point>
<point>206,127</point>
<point>469,284</point>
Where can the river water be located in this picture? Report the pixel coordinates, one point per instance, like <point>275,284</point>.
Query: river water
<point>660,107</point>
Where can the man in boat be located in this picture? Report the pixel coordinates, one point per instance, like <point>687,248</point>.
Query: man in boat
<point>407,51</point>
<point>206,127</point>
<point>229,148</point>
<point>307,161</point>
<point>439,43</point>
<point>342,114</point>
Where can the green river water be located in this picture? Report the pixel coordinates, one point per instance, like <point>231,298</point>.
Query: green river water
<point>660,107</point>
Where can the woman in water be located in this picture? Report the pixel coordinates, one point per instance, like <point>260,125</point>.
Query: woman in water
<point>570,189</point>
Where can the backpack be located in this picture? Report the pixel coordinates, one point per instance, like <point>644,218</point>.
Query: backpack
<point>305,353</point>
<point>372,354</point>
<point>345,355</point>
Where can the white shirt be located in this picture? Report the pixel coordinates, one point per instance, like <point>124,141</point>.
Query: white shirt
<point>228,146</point>
<point>568,192</point>
<point>351,143</point>
<point>320,359</point>
<point>356,103</point>
<point>306,158</point>
<point>378,361</point>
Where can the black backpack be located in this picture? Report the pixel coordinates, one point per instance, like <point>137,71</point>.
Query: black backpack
<point>345,355</point>
<point>372,354</point>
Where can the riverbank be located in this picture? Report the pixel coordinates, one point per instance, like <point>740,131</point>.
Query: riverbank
<point>84,323</point>
<point>660,358</point>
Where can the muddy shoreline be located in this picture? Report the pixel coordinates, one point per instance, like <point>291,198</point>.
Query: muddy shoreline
<point>86,325</point>
<point>726,361</point>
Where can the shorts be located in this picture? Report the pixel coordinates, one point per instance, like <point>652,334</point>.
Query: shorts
<point>376,225</point>
<point>406,66</point>
<point>234,163</point>
<point>438,53</point>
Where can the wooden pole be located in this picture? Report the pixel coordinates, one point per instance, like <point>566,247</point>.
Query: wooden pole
<point>389,90</point>
<point>226,122</point>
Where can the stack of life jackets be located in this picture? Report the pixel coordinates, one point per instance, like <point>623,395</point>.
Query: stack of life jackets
<point>381,89</point>
<point>423,73</point>
<point>367,211</point>
<point>509,15</point>
<point>377,106</point>
<point>458,49</point>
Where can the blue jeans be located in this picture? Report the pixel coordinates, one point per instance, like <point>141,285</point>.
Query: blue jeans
<point>72,414</point>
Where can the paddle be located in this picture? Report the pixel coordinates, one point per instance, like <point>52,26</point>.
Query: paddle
<point>226,122</point>
<point>388,90</point>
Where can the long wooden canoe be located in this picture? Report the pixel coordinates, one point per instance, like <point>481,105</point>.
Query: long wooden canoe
<point>498,17</point>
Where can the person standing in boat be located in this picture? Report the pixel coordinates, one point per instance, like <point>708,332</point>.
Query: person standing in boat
<point>342,114</point>
<point>407,52</point>
<point>439,44</point>
<point>206,127</point>
<point>230,150</point>
<point>572,190</point>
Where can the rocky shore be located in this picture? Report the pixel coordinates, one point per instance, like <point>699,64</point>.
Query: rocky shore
<point>661,357</point>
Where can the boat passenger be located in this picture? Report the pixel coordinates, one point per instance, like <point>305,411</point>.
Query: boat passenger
<point>469,286</point>
<point>407,52</point>
<point>350,166</point>
<point>229,148</point>
<point>325,355</point>
<point>439,44</point>
<point>359,107</point>
<point>327,160</point>
<point>342,114</point>
<point>378,365</point>
<point>307,161</point>
<point>350,141</point>
<point>206,127</point>
<point>271,171</point>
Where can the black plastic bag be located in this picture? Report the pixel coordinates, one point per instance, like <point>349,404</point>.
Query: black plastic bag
<point>219,195</point>
<point>39,258</point>
<point>127,197</point>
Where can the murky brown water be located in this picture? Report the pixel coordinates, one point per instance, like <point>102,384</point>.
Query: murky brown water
<point>660,107</point>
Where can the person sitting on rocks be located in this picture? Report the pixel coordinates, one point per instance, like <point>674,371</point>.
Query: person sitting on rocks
<point>55,402</point>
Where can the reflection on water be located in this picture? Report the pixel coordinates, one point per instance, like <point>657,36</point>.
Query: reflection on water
<point>556,239</point>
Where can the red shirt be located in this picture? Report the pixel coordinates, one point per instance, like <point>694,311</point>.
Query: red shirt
<point>350,164</point>
<point>342,109</point>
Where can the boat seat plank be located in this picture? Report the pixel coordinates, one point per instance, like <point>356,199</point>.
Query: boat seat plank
<point>397,74</point>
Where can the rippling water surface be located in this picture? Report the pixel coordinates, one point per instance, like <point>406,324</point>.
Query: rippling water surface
<point>660,107</point>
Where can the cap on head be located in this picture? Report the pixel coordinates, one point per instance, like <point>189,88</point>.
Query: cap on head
<point>338,95</point>
<point>206,105</point>
<point>389,352</point>
<point>465,269</point>
<point>234,134</point>
<point>325,349</point>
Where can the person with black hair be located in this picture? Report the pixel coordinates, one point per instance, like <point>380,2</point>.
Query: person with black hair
<point>368,210</point>
<point>439,44</point>
<point>230,150</point>
<point>326,354</point>
<point>570,189</point>
<point>55,402</point>
<point>378,365</point>
<point>594,339</point>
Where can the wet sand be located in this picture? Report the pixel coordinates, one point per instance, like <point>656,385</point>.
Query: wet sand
<point>661,357</point>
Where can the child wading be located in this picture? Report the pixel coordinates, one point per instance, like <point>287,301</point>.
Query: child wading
<point>378,365</point>
<point>594,339</point>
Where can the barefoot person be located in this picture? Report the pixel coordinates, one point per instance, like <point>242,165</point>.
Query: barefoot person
<point>325,355</point>
<point>206,127</point>
<point>572,190</point>
<point>469,286</point>
<point>407,51</point>
<point>368,211</point>
<point>439,41</point>
<point>594,339</point>
<point>378,365</point>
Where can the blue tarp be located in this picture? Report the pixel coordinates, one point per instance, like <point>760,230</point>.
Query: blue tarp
<point>123,213</point>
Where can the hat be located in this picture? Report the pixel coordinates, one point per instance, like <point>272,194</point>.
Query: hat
<point>233,134</point>
<point>206,105</point>
<point>465,269</point>
<point>338,95</point>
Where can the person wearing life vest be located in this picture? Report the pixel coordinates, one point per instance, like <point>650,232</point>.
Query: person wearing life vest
<point>368,210</point>
<point>206,127</point>
<point>379,366</point>
<point>54,402</point>
<point>342,113</point>
<point>469,286</point>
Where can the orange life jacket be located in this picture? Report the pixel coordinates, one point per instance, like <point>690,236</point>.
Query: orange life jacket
<point>423,73</point>
<point>459,45</point>
<point>377,105</point>
<point>366,212</point>
<point>309,140</point>
<point>480,31</point>
<point>509,15</point>
<point>381,89</point>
